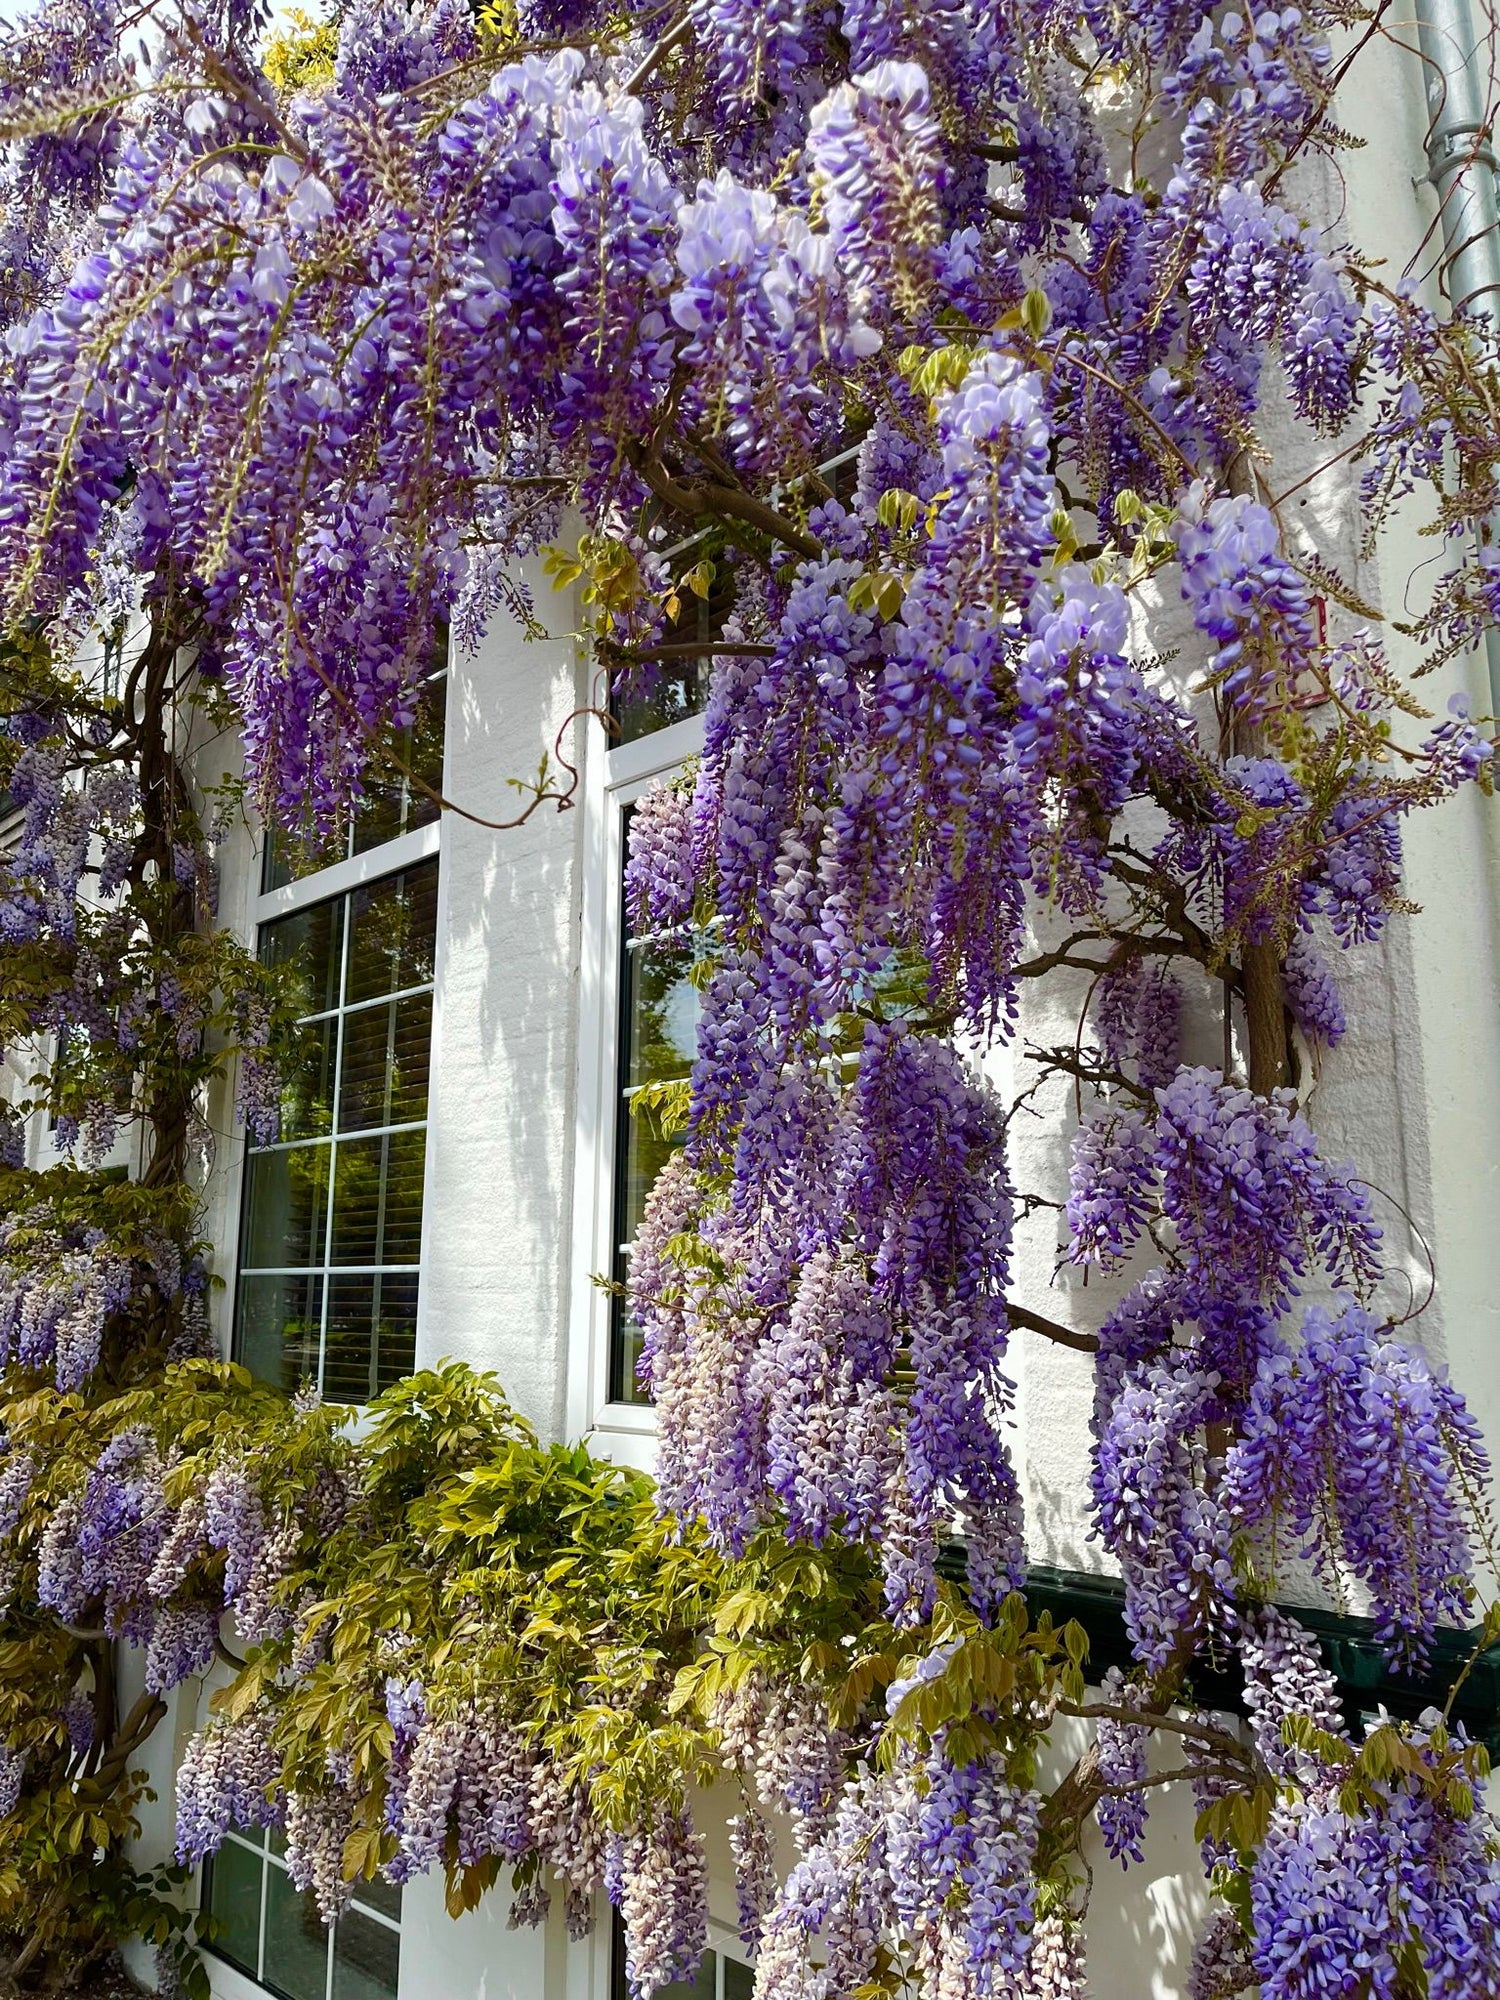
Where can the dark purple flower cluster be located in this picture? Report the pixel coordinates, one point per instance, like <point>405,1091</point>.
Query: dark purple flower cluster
<point>1354,1450</point>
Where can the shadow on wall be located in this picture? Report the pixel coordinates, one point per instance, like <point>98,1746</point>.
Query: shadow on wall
<point>495,1280</point>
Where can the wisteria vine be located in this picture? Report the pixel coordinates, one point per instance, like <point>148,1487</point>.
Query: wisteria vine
<point>956,389</point>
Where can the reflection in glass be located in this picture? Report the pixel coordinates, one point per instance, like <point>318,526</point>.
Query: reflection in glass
<point>371,1337</point>
<point>296,1956</point>
<point>739,1981</point>
<point>383,1078</point>
<point>394,927</point>
<point>307,1091</point>
<point>312,943</point>
<point>377,1199</point>
<point>659,1027</point>
<point>366,1959</point>
<point>280,1325</point>
<point>286,1196</point>
<point>346,1193</point>
<point>232,1896</point>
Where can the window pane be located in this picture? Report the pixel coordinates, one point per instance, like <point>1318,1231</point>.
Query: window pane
<point>372,1334</point>
<point>384,1076</point>
<point>364,1068</point>
<point>311,941</point>
<point>296,1961</point>
<point>233,1898</point>
<point>394,925</point>
<point>739,1980</point>
<point>659,1027</point>
<point>392,805</point>
<point>380,1895</point>
<point>663,1013</point>
<point>307,1094</point>
<point>377,1200</point>
<point>276,1335</point>
<point>646,1153</point>
<point>289,856</point>
<point>286,1198</point>
<point>366,1957</point>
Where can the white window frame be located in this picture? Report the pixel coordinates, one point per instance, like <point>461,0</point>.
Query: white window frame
<point>231,1980</point>
<point>626,1431</point>
<point>613,781</point>
<point>356,871</point>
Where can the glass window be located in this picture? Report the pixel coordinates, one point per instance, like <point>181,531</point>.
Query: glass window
<point>331,1231</point>
<point>273,1932</point>
<point>671,689</point>
<point>394,799</point>
<point>658,1035</point>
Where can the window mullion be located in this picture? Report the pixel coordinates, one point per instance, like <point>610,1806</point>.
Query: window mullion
<point>346,951</point>
<point>265,1898</point>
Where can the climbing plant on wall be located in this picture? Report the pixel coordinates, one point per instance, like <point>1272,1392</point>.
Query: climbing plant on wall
<point>308,344</point>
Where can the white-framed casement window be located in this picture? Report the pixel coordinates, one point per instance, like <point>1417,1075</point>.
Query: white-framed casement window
<point>331,1217</point>
<point>268,1930</point>
<point>328,1271</point>
<point>639,1013</point>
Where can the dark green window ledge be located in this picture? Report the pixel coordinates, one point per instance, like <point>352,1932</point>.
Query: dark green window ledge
<point>1348,1645</point>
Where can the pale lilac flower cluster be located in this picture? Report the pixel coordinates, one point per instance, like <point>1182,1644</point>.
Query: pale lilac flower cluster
<point>876,146</point>
<point>229,1777</point>
<point>12,1773</point>
<point>467,1772</point>
<point>1138,1015</point>
<point>1220,1965</point>
<point>1056,1969</point>
<point>660,874</point>
<point>1285,1677</point>
<point>56,1300</point>
<point>1312,994</point>
<point>1244,594</point>
<point>664,1904</point>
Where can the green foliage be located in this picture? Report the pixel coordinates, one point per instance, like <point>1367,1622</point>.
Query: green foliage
<point>299,56</point>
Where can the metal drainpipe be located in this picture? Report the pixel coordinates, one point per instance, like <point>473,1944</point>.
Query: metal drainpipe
<point>1463,171</point>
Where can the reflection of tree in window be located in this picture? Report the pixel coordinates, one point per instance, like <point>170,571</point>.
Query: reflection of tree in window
<point>274,1934</point>
<point>399,782</point>
<point>331,1235</point>
<point>658,1034</point>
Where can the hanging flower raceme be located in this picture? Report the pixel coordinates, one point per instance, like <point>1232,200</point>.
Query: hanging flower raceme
<point>875,148</point>
<point>1355,1452</point>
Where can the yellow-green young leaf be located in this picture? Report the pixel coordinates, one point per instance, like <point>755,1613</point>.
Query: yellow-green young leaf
<point>1036,312</point>
<point>1075,1642</point>
<point>896,508</point>
<point>890,594</point>
<point>1460,1798</point>
<point>243,1695</point>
